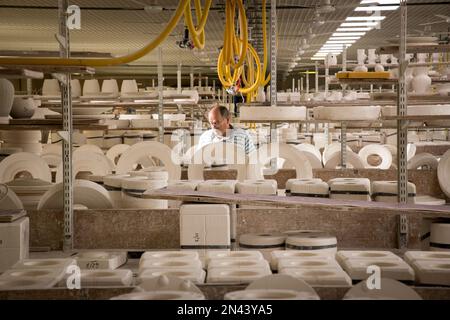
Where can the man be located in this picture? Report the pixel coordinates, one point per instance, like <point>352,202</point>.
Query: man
<point>222,130</point>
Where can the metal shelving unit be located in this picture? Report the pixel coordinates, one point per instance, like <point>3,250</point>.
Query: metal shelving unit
<point>66,104</point>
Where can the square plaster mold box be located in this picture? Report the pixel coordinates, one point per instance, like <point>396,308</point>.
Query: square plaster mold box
<point>386,191</point>
<point>12,283</point>
<point>435,272</point>
<point>285,263</point>
<point>309,189</point>
<point>320,276</point>
<point>43,275</point>
<point>170,264</point>
<point>195,275</point>
<point>236,275</point>
<point>277,255</point>
<point>290,182</point>
<point>44,264</point>
<point>350,189</point>
<point>240,255</point>
<point>343,255</point>
<point>262,187</point>
<point>14,242</point>
<point>222,186</point>
<point>205,226</point>
<point>237,263</point>
<point>357,269</point>
<point>411,256</point>
<point>100,260</point>
<point>103,278</point>
<point>173,255</point>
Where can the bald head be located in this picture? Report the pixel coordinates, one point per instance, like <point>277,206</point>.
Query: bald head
<point>219,119</point>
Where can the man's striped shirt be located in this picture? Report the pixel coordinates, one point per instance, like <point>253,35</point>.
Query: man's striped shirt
<point>238,136</point>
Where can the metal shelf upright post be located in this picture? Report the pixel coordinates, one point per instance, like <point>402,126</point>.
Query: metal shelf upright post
<point>273,71</point>
<point>66,104</point>
<point>402,127</point>
<point>160,95</point>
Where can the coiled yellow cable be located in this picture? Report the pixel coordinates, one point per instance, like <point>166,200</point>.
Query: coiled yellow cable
<point>234,45</point>
<point>197,33</point>
<point>92,62</point>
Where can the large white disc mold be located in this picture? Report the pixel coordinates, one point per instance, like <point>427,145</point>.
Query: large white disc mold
<point>140,150</point>
<point>87,193</point>
<point>24,162</point>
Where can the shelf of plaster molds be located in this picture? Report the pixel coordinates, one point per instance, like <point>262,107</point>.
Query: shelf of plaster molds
<point>386,100</point>
<point>413,98</point>
<point>99,103</point>
<point>419,118</point>
<point>366,81</point>
<point>16,73</point>
<point>384,123</point>
<point>416,49</point>
<point>54,69</point>
<point>434,80</point>
<point>51,124</point>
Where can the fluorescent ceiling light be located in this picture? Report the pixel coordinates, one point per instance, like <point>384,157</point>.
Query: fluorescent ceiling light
<point>345,34</point>
<point>326,52</point>
<point>354,29</point>
<point>331,49</point>
<point>345,38</point>
<point>377,8</point>
<point>333,46</point>
<point>368,18</point>
<point>359,24</point>
<point>380,1</point>
<point>340,41</point>
<point>332,52</point>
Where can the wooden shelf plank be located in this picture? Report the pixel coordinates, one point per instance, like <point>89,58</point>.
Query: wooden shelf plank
<point>418,117</point>
<point>51,124</point>
<point>20,74</point>
<point>416,49</point>
<point>55,69</point>
<point>289,202</point>
<point>366,81</point>
<point>114,103</point>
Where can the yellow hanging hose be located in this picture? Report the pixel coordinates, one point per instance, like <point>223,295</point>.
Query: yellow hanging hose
<point>265,81</point>
<point>250,70</point>
<point>90,62</point>
<point>229,71</point>
<point>197,33</point>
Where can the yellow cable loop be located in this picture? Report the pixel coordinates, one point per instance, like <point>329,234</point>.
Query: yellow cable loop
<point>232,45</point>
<point>238,45</point>
<point>258,71</point>
<point>196,37</point>
<point>244,78</point>
<point>229,31</point>
<point>90,62</point>
<point>229,45</point>
<point>197,33</point>
<point>225,35</point>
<point>264,80</point>
<point>233,50</point>
<point>247,76</point>
<point>224,77</point>
<point>244,35</point>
